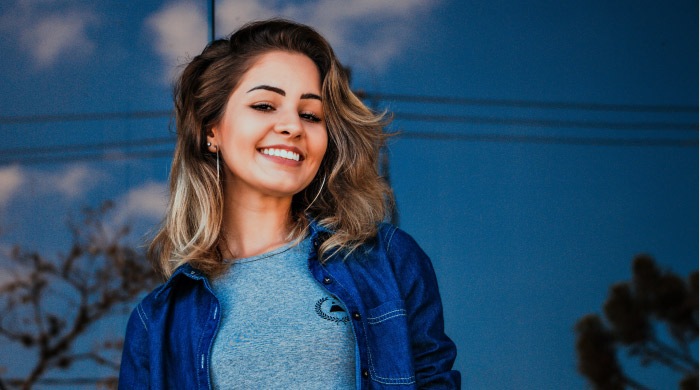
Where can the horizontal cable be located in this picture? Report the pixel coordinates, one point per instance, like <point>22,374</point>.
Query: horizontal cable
<point>420,135</point>
<point>478,120</point>
<point>90,116</point>
<point>118,156</point>
<point>87,147</point>
<point>528,103</point>
<point>550,123</point>
<point>639,108</point>
<point>550,140</point>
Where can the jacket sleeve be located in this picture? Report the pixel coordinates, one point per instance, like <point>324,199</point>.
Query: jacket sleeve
<point>134,370</point>
<point>433,352</point>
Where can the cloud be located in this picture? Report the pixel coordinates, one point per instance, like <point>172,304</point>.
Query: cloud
<point>366,34</point>
<point>50,31</point>
<point>70,183</point>
<point>147,202</point>
<point>74,181</point>
<point>180,31</point>
<point>58,35</point>
<point>233,14</point>
<point>11,180</point>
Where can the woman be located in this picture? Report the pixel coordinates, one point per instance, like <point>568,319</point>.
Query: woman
<point>280,271</point>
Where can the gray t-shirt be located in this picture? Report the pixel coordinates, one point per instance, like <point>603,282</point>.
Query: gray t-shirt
<point>279,328</point>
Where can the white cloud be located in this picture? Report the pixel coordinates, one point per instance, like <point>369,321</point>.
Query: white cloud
<point>11,180</point>
<point>180,31</point>
<point>58,35</point>
<point>74,181</point>
<point>147,202</point>
<point>233,14</point>
<point>70,183</point>
<point>50,31</point>
<point>366,33</point>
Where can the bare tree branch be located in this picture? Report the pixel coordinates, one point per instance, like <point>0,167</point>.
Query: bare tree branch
<point>94,357</point>
<point>55,301</point>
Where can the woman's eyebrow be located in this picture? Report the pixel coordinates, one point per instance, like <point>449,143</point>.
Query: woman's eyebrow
<point>269,88</point>
<point>280,91</point>
<point>310,96</point>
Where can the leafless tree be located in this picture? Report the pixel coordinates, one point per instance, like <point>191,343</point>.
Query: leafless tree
<point>634,312</point>
<point>50,303</point>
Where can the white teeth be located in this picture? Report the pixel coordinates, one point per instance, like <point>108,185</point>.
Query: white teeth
<point>289,155</point>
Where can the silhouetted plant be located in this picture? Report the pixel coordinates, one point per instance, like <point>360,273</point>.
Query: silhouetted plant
<point>51,302</point>
<point>633,312</point>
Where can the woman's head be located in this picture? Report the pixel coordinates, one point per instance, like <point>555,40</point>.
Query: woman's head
<point>209,79</point>
<point>272,136</point>
<point>345,195</point>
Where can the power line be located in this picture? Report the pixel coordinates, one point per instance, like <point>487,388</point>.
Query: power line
<point>94,116</point>
<point>416,135</point>
<point>548,140</point>
<point>86,152</point>
<point>473,119</point>
<point>650,108</point>
<point>115,156</point>
<point>638,108</point>
<point>170,141</point>
<point>481,120</point>
<point>88,147</point>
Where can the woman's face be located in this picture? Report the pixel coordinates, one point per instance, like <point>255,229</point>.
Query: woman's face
<point>273,134</point>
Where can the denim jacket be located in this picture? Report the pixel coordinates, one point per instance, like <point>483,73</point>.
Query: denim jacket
<point>388,287</point>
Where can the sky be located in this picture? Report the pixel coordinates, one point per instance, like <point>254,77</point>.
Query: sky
<point>541,146</point>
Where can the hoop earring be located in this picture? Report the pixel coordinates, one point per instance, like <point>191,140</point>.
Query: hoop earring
<point>218,167</point>
<point>317,195</point>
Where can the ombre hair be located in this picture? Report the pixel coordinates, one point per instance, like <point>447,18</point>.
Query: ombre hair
<point>347,196</point>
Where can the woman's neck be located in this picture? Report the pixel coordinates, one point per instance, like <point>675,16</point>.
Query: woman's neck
<point>254,225</point>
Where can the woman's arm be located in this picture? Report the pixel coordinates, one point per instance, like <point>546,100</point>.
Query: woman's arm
<point>433,352</point>
<point>134,371</point>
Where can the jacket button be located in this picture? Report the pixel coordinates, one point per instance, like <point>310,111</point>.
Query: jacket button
<point>327,280</point>
<point>356,316</point>
<point>365,373</point>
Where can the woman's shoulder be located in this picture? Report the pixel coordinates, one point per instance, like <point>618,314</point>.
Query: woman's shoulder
<point>172,289</point>
<point>392,239</point>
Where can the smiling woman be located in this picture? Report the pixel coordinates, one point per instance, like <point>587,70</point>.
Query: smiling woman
<point>281,272</point>
<point>272,138</point>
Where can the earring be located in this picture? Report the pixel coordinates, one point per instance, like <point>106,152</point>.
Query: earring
<point>218,168</point>
<point>317,195</point>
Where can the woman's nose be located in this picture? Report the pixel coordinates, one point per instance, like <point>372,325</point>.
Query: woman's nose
<point>290,124</point>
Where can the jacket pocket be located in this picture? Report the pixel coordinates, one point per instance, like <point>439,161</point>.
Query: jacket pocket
<point>389,345</point>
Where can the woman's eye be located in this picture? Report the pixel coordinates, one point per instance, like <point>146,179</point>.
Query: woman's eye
<point>311,117</point>
<point>262,107</point>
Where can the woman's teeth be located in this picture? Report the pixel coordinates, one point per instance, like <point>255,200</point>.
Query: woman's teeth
<point>281,153</point>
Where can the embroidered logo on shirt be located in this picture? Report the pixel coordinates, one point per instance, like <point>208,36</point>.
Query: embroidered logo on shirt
<point>330,309</point>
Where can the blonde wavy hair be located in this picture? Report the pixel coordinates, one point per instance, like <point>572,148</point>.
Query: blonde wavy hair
<point>347,196</point>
